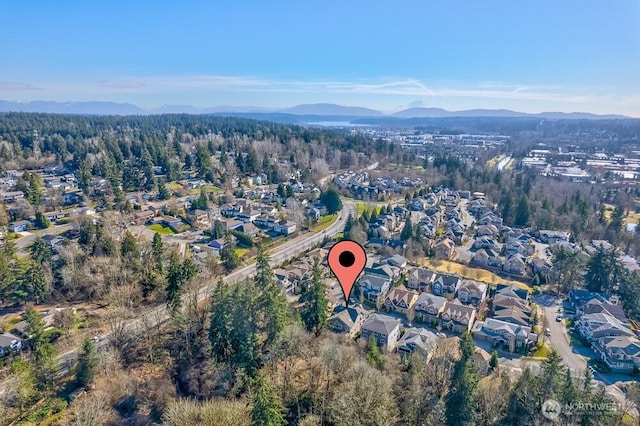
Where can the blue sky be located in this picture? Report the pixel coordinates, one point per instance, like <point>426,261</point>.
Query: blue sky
<point>529,56</point>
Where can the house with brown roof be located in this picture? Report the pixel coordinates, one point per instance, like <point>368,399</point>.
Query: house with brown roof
<point>198,218</point>
<point>457,317</point>
<point>142,217</point>
<point>421,279</point>
<point>428,308</point>
<point>446,249</point>
<point>400,300</point>
<point>472,292</point>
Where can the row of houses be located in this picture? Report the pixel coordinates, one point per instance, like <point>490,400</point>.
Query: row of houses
<point>601,321</point>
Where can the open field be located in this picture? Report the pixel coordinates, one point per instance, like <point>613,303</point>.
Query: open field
<point>324,222</point>
<point>160,229</point>
<point>466,272</point>
<point>241,252</point>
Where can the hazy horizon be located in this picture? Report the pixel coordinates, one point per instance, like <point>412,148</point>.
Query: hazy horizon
<point>548,56</point>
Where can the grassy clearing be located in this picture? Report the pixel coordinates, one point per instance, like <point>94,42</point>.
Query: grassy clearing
<point>542,352</point>
<point>495,160</point>
<point>361,207</point>
<point>471,273</point>
<point>324,222</point>
<point>241,252</point>
<point>161,229</point>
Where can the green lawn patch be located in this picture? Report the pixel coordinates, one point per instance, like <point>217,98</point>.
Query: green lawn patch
<point>324,222</point>
<point>241,251</point>
<point>542,352</point>
<point>161,229</point>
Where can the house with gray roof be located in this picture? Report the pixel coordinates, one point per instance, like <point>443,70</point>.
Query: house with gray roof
<point>385,330</point>
<point>445,283</point>
<point>347,320</point>
<point>457,317</point>
<point>417,340</point>
<point>620,353</point>
<point>473,292</point>
<point>595,326</point>
<point>505,334</point>
<point>428,308</point>
<point>9,343</point>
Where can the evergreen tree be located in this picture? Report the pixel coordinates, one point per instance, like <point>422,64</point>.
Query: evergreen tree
<point>604,271</point>
<point>348,226</point>
<point>314,313</point>
<point>569,391</point>
<point>332,200</point>
<point>228,255</point>
<point>163,192</point>
<point>407,231</point>
<point>87,363</point>
<point>218,230</point>
<point>244,339</point>
<point>40,251</point>
<point>274,306</point>
<point>129,249</point>
<point>157,250</point>
<point>174,283</point>
<point>41,222</point>
<point>373,354</point>
<point>37,283</point>
<point>493,362</point>
<point>221,323</point>
<point>462,400</point>
<point>551,375</point>
<point>522,212</point>
<point>266,410</point>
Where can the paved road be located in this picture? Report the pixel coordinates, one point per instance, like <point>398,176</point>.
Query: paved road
<point>559,338</point>
<point>278,256</point>
<point>24,242</point>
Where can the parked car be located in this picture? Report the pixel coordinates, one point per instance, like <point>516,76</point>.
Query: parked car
<point>559,318</point>
<point>547,331</point>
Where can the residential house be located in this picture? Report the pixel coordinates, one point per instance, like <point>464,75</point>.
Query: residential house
<point>54,216</point>
<point>516,247</point>
<point>347,320</point>
<point>445,283</point>
<point>620,353</point>
<point>417,340</point>
<point>232,224</point>
<point>9,343</point>
<point>553,237</point>
<point>173,222</point>
<point>501,333</point>
<point>428,308</point>
<point>373,286</point>
<point>512,291</point>
<point>446,249</point>
<point>285,227</point>
<point>595,326</point>
<point>401,300</point>
<point>488,257</point>
<point>541,266</point>
<point>249,229</point>
<point>11,196</point>
<point>19,226</point>
<point>515,264</point>
<point>596,305</point>
<point>421,279</point>
<point>248,215</point>
<point>480,361</point>
<point>484,242</point>
<point>385,329</point>
<point>487,231</point>
<point>230,210</point>
<point>143,216</point>
<point>198,218</point>
<point>472,292</point>
<point>516,314</point>
<point>397,261</point>
<point>457,317</point>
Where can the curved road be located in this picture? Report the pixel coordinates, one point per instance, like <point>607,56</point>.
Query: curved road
<point>278,256</point>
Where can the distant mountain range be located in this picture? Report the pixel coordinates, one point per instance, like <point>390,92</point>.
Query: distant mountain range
<point>301,113</point>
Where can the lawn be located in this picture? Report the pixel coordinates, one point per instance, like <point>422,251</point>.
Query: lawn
<point>324,222</point>
<point>361,207</point>
<point>161,229</point>
<point>542,352</point>
<point>476,274</point>
<point>241,252</point>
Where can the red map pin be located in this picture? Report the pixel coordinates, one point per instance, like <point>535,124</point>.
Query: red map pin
<point>346,260</point>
